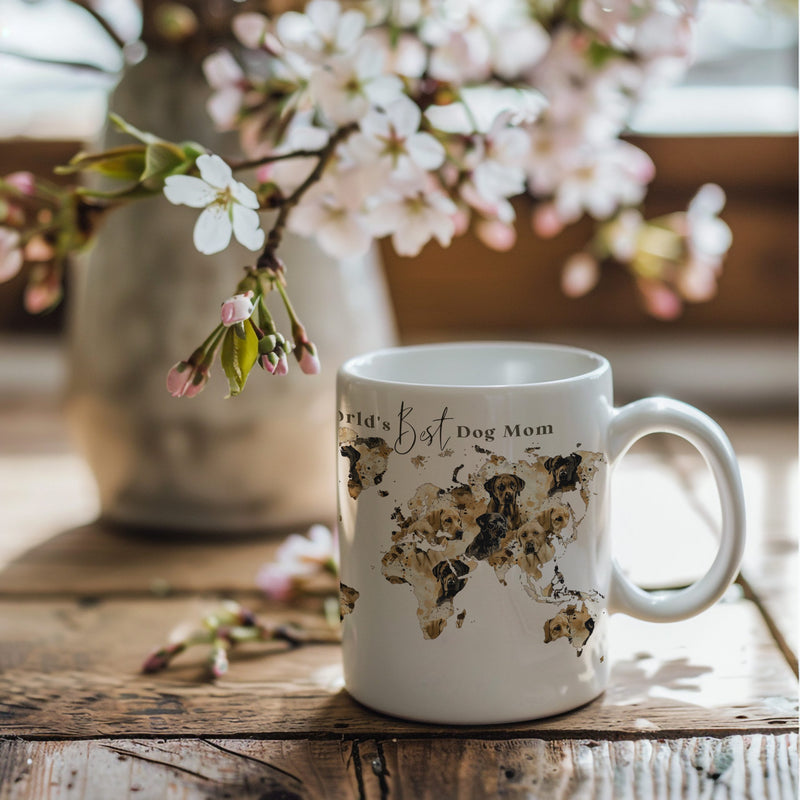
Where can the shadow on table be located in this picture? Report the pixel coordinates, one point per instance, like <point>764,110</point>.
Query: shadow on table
<point>106,559</point>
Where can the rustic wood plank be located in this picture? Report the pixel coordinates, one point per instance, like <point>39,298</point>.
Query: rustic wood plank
<point>69,669</point>
<point>731,767</point>
<point>169,769</point>
<point>757,766</point>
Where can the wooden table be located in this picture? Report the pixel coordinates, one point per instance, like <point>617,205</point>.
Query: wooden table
<point>701,708</point>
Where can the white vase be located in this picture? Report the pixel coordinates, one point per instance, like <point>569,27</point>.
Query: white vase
<point>143,300</point>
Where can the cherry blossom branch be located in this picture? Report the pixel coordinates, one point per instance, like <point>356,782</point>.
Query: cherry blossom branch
<point>271,159</point>
<point>267,260</point>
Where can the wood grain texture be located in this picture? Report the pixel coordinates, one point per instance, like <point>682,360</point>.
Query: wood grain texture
<point>755,766</point>
<point>158,769</point>
<point>732,767</point>
<point>70,669</point>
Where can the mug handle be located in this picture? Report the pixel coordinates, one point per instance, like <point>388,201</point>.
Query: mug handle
<point>663,415</point>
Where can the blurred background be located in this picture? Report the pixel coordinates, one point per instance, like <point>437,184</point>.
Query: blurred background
<point>732,121</point>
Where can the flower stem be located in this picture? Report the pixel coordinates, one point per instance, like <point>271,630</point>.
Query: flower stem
<point>267,258</point>
<point>271,159</point>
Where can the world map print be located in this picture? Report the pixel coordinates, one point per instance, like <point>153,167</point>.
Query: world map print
<point>518,519</point>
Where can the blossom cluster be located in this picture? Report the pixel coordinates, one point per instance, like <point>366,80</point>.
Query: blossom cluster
<point>456,107</point>
<point>413,119</point>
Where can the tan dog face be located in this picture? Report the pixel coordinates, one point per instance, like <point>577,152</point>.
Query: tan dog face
<point>447,520</point>
<point>504,489</point>
<point>531,536</point>
<point>555,519</point>
<point>577,625</point>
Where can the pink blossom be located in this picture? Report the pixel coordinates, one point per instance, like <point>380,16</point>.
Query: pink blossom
<point>10,254</point>
<point>579,275</point>
<point>237,308</point>
<point>43,290</point>
<point>37,249</point>
<point>186,380</point>
<point>228,81</point>
<point>297,558</point>
<point>546,221</point>
<point>496,234</point>
<point>659,300</point>
<point>25,182</point>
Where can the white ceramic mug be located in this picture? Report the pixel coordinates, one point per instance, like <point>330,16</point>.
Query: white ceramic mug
<point>476,567</point>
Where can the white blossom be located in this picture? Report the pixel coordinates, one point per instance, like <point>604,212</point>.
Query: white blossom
<point>393,138</point>
<point>348,86</point>
<point>228,206</point>
<point>227,78</point>
<point>323,30</point>
<point>413,219</point>
<point>333,212</point>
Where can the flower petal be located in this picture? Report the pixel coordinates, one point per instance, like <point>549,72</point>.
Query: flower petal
<point>247,227</point>
<point>188,191</point>
<point>405,116</point>
<point>244,195</point>
<point>351,26</point>
<point>425,151</point>
<point>214,171</point>
<point>221,69</point>
<point>212,231</point>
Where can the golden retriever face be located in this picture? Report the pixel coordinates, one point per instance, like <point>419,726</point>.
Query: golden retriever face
<point>576,625</point>
<point>531,537</point>
<point>555,519</point>
<point>447,521</point>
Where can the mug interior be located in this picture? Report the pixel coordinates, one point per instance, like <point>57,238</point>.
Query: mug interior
<point>476,364</point>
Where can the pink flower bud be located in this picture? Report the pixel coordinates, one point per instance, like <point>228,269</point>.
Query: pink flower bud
<point>546,221</point>
<point>580,275</point>
<point>186,380</point>
<point>282,367</point>
<point>268,361</point>
<point>25,182</point>
<point>496,235</point>
<point>219,662</point>
<point>659,301</point>
<point>37,249</point>
<point>309,361</point>
<point>43,291</point>
<point>237,308</point>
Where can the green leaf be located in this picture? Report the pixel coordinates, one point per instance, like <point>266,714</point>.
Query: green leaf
<point>119,163</point>
<point>239,357</point>
<point>161,160</point>
<point>132,130</point>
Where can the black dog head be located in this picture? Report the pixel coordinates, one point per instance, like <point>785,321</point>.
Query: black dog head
<point>493,524</point>
<point>564,470</point>
<point>504,487</point>
<point>493,527</point>
<point>452,578</point>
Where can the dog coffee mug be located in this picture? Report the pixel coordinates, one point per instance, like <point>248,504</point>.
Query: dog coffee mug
<point>476,567</point>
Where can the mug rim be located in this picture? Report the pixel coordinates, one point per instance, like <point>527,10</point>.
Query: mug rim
<point>351,369</point>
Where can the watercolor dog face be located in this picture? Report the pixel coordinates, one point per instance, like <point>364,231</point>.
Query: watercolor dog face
<point>577,625</point>
<point>563,472</point>
<point>493,528</point>
<point>504,490</point>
